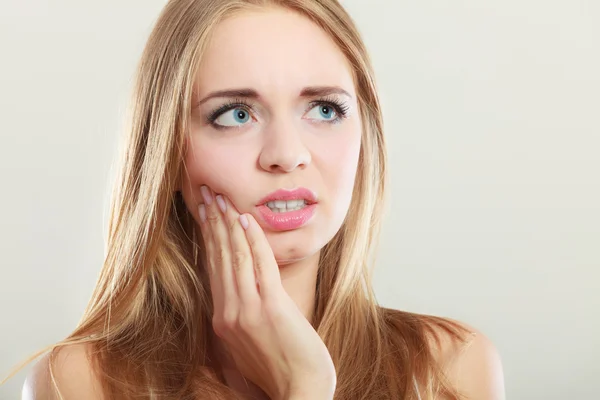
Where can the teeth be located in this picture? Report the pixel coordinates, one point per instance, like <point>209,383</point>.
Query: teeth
<point>285,206</point>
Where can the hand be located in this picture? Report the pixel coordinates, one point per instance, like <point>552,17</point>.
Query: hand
<point>270,340</point>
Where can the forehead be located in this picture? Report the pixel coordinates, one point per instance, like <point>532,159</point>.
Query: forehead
<point>272,50</point>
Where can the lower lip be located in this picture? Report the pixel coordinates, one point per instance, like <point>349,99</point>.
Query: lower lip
<point>287,221</point>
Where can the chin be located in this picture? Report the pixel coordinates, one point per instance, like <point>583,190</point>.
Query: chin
<point>293,246</point>
<point>283,262</point>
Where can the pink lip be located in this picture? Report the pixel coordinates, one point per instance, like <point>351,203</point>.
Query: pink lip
<point>292,219</point>
<point>295,194</point>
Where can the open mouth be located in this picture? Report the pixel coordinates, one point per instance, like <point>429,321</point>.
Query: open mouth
<point>285,210</point>
<point>282,206</point>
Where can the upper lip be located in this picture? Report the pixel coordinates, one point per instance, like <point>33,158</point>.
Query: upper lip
<point>300,193</point>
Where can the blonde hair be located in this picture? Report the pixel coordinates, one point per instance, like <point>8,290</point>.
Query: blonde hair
<point>149,319</point>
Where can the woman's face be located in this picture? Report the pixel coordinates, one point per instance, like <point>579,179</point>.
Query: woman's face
<point>286,118</point>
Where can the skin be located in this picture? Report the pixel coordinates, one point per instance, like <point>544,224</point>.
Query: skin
<point>270,342</point>
<point>283,141</point>
<point>285,145</point>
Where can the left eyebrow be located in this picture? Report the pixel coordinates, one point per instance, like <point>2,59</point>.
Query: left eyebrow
<point>313,91</point>
<point>310,91</point>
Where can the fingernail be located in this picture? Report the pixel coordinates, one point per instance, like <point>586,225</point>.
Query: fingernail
<point>206,194</point>
<point>202,212</point>
<point>221,203</point>
<point>244,221</point>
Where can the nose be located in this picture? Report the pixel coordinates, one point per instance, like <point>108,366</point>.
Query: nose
<point>283,149</point>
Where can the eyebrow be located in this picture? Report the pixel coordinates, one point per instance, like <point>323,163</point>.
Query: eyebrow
<point>310,91</point>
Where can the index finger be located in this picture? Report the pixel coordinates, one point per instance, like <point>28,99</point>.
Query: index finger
<point>265,265</point>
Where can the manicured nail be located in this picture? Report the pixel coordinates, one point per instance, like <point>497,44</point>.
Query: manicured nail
<point>221,203</point>
<point>244,221</point>
<point>202,212</point>
<point>206,194</point>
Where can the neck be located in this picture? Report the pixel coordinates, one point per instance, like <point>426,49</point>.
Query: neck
<point>299,279</point>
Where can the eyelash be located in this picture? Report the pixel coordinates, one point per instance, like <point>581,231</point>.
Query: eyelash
<point>340,108</point>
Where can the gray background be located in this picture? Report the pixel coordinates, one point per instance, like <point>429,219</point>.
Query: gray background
<point>492,116</point>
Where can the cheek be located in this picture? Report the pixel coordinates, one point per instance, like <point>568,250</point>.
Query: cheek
<point>219,166</point>
<point>339,161</point>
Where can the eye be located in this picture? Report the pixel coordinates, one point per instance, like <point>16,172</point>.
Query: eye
<point>324,111</point>
<point>233,117</point>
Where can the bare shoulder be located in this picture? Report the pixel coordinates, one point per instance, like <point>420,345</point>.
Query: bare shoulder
<point>473,366</point>
<point>72,371</point>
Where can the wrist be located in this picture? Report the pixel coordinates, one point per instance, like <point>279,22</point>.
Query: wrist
<point>311,396</point>
<point>312,392</point>
<point>314,386</point>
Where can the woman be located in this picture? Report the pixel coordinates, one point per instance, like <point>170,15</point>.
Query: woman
<point>243,219</point>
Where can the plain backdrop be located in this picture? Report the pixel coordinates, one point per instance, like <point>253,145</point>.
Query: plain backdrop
<point>492,113</point>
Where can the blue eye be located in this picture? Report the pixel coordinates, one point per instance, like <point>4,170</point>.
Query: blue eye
<point>237,113</point>
<point>233,117</point>
<point>325,111</point>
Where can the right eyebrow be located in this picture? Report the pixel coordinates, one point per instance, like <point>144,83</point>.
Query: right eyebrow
<point>309,91</point>
<point>245,93</point>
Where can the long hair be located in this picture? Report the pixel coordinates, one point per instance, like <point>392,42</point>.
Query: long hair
<point>148,322</point>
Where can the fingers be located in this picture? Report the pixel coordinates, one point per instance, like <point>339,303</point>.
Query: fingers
<point>265,266</point>
<point>219,253</point>
<point>242,262</point>
<point>239,253</point>
<point>215,284</point>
